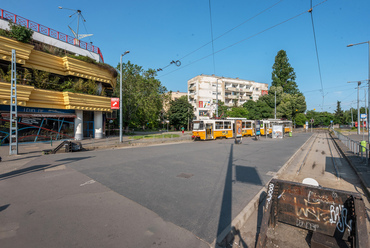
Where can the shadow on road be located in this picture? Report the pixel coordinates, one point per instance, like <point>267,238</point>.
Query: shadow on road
<point>243,174</point>
<point>25,171</point>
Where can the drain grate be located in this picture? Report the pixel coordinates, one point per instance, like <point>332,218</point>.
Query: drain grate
<point>185,175</point>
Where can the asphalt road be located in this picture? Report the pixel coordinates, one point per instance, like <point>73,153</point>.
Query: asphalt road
<point>169,195</point>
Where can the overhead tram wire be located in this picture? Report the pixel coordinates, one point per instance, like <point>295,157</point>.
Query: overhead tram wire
<point>161,69</point>
<point>317,54</point>
<point>213,47</point>
<point>227,47</point>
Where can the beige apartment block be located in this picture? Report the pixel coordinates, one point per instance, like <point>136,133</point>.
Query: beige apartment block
<point>205,90</point>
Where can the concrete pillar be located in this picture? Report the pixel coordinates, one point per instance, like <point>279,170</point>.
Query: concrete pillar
<point>79,125</point>
<point>98,124</point>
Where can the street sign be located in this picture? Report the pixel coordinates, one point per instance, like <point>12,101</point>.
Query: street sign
<point>363,116</point>
<point>114,103</point>
<point>331,121</point>
<point>312,120</point>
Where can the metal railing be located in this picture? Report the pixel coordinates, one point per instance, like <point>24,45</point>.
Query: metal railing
<point>354,146</point>
<point>6,15</point>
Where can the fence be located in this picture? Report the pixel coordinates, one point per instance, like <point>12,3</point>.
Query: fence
<point>6,15</point>
<point>354,146</point>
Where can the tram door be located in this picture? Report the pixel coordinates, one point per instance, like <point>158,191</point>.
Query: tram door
<point>209,131</point>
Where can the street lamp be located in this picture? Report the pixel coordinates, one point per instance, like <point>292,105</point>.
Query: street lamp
<point>120,98</point>
<point>367,119</point>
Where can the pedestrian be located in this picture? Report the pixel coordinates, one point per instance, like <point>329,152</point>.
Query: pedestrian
<point>182,129</point>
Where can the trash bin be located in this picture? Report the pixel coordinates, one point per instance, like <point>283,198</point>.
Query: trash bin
<point>363,144</point>
<point>290,134</point>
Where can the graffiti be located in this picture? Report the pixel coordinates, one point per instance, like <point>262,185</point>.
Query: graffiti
<point>307,225</point>
<point>338,216</point>
<point>269,194</point>
<point>314,197</point>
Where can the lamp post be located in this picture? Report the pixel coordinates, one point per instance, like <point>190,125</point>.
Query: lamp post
<point>120,98</point>
<point>368,79</point>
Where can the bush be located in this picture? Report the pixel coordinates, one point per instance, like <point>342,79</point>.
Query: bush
<point>20,33</point>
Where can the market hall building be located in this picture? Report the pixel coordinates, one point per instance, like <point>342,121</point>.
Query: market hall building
<point>45,114</point>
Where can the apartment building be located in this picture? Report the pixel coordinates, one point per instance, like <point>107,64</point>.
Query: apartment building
<point>204,90</point>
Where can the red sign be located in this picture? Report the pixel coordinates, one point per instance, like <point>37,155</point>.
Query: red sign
<point>264,92</point>
<point>114,103</point>
<point>200,104</point>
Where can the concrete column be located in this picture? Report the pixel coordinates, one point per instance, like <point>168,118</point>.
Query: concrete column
<point>98,124</point>
<point>79,125</point>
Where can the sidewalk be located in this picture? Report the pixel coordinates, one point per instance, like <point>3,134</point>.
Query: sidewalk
<point>359,166</point>
<point>29,151</point>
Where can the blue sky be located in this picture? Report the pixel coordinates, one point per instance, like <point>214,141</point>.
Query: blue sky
<point>157,32</point>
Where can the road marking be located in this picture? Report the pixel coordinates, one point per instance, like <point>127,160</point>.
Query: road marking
<point>88,182</point>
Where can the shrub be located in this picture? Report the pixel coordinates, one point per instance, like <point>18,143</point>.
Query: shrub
<point>20,33</point>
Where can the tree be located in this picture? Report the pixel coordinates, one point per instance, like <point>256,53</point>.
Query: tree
<point>300,119</point>
<point>237,112</point>
<point>142,96</point>
<point>339,115</point>
<point>181,112</point>
<point>283,74</point>
<point>251,107</point>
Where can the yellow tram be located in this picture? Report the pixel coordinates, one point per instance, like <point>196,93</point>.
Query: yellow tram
<point>210,129</point>
<point>216,128</point>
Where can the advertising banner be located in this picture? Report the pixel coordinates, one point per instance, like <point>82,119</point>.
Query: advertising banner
<point>277,131</point>
<point>238,128</point>
<point>258,125</point>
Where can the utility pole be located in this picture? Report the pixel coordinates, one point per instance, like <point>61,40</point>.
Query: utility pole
<point>358,108</point>
<point>275,103</point>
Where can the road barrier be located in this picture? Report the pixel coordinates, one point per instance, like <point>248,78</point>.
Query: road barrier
<point>334,217</point>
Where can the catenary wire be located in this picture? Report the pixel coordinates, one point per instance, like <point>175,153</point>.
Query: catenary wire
<point>317,54</point>
<point>161,69</point>
<point>227,47</point>
<point>213,47</point>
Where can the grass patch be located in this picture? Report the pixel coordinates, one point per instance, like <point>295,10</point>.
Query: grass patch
<point>154,136</point>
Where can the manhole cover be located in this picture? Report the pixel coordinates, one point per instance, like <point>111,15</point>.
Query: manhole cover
<point>185,175</point>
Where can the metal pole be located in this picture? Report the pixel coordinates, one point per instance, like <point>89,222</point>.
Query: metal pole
<point>351,117</point>
<point>120,102</point>
<point>120,98</point>
<point>368,80</point>
<point>275,108</point>
<point>358,108</point>
<point>217,97</point>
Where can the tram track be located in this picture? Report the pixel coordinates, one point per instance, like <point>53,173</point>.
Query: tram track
<point>321,160</point>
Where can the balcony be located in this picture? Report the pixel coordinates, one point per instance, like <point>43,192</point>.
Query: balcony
<point>192,88</point>
<point>230,89</point>
<point>231,96</point>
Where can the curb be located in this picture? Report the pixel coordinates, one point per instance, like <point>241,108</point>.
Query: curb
<point>244,215</point>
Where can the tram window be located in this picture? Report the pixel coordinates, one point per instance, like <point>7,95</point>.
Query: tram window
<point>198,125</point>
<point>227,125</point>
<point>219,125</point>
<point>243,124</point>
<point>248,125</point>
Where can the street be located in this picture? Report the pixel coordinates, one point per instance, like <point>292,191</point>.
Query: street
<point>137,196</point>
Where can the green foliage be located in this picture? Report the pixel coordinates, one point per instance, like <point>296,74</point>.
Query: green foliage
<point>222,109</point>
<point>20,33</point>
<point>320,118</point>
<point>181,112</point>
<point>339,115</point>
<point>283,74</point>
<point>237,112</point>
<point>108,67</point>
<point>142,96</point>
<point>300,119</point>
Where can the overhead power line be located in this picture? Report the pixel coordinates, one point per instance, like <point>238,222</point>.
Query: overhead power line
<point>161,69</point>
<point>227,47</point>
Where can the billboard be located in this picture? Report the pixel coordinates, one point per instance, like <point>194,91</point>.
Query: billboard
<point>264,92</point>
